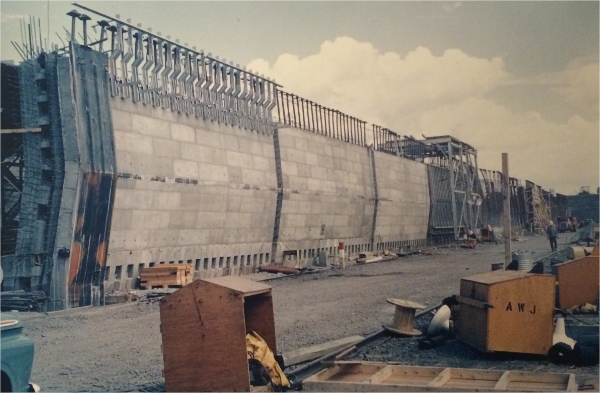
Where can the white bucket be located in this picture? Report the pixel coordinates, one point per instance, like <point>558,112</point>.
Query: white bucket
<point>525,262</point>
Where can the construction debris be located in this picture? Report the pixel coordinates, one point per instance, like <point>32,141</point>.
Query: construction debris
<point>278,269</point>
<point>22,301</point>
<point>166,275</point>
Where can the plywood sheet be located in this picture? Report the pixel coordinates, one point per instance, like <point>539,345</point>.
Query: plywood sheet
<point>578,282</point>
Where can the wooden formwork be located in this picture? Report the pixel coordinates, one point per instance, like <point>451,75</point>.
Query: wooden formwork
<point>384,377</point>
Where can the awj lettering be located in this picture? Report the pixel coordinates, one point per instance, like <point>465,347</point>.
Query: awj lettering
<point>520,308</point>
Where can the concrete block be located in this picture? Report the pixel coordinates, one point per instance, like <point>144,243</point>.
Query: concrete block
<point>268,149</point>
<point>210,220</point>
<point>149,219</point>
<point>295,155</point>
<point>182,133</point>
<point>207,138</point>
<point>121,220</point>
<point>166,201</point>
<point>234,204</point>
<point>237,159</point>
<point>134,143</point>
<point>318,173</point>
<point>304,170</point>
<point>253,147</point>
<point>121,121</point>
<point>234,175</point>
<point>311,158</point>
<point>211,172</point>
<point>314,185</point>
<point>193,236</point>
<point>166,148</point>
<point>289,168</point>
<point>198,153</point>
<point>150,126</point>
<point>185,169</point>
<point>229,142</point>
<point>263,164</point>
<point>130,199</point>
<point>251,176</point>
<point>238,220</point>
<point>182,220</point>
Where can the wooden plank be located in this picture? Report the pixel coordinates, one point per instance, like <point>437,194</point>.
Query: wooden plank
<point>381,375</point>
<point>572,385</point>
<point>315,351</point>
<point>441,379</point>
<point>20,130</point>
<point>502,383</point>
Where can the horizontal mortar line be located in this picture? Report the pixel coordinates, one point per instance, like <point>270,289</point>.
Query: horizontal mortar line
<point>195,182</point>
<point>323,193</point>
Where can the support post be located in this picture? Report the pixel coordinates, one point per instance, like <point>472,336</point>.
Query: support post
<point>506,209</point>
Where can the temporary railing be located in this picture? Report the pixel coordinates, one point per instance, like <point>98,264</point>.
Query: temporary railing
<point>299,112</point>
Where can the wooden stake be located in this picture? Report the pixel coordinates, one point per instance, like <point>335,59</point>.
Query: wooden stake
<point>506,209</point>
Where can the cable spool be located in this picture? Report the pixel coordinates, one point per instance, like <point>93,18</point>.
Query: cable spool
<point>404,317</point>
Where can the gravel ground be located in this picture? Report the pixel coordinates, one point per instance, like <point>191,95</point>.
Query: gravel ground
<point>117,348</point>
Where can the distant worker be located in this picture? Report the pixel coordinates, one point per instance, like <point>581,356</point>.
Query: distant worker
<point>471,239</point>
<point>552,234</point>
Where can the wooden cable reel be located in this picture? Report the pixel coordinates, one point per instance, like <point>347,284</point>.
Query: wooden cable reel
<point>404,317</point>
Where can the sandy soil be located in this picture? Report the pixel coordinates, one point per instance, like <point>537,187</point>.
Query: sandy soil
<point>117,348</point>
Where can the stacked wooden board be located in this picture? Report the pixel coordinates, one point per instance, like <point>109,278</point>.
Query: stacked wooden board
<point>383,377</point>
<point>166,276</point>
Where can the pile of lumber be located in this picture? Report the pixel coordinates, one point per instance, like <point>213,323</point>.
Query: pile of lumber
<point>166,276</point>
<point>22,301</point>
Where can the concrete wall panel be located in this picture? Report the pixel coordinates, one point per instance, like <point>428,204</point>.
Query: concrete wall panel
<point>189,191</point>
<point>403,208</point>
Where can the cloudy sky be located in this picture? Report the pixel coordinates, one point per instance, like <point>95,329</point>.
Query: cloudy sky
<point>515,77</point>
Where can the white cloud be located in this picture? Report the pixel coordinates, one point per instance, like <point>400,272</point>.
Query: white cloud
<point>420,93</point>
<point>7,18</point>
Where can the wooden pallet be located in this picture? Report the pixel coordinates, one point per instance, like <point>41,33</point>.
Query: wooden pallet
<point>384,377</point>
<point>164,276</point>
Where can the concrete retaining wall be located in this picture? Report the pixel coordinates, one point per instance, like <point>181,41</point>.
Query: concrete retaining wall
<point>403,202</point>
<point>189,191</point>
<point>328,194</point>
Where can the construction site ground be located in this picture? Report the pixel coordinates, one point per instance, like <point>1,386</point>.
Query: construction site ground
<point>117,348</point>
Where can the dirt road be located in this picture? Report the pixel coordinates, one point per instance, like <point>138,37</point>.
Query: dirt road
<point>117,348</point>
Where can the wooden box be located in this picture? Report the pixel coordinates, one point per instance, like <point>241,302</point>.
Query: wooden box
<point>204,326</point>
<point>382,377</point>
<point>578,282</point>
<point>507,311</point>
<point>166,275</point>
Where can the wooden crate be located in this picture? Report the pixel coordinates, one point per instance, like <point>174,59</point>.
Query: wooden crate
<point>204,327</point>
<point>166,275</point>
<point>507,311</point>
<point>383,377</point>
<point>578,282</point>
